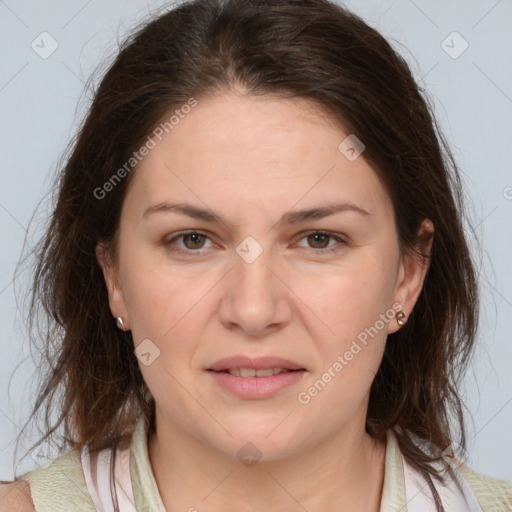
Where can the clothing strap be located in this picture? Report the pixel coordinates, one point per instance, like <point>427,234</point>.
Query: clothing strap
<point>456,496</point>
<point>109,484</point>
<point>108,478</point>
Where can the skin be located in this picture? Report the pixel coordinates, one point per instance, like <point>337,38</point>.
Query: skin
<point>251,160</point>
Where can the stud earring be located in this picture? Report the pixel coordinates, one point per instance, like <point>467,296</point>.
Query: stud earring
<point>120,323</point>
<point>400,316</point>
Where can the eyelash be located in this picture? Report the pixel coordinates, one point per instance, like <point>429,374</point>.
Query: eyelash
<point>327,250</point>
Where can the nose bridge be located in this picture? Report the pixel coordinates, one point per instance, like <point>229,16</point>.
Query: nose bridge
<point>254,299</point>
<point>252,277</point>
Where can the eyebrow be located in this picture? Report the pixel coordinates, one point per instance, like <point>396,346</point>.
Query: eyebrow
<point>289,218</point>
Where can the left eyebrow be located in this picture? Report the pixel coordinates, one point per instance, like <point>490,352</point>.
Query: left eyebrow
<point>289,218</point>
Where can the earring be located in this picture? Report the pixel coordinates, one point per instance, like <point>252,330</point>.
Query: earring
<point>120,323</point>
<point>400,318</point>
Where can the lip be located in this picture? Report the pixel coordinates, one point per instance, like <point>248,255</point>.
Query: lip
<point>256,387</point>
<point>257,363</point>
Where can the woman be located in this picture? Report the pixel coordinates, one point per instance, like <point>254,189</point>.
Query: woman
<point>258,278</point>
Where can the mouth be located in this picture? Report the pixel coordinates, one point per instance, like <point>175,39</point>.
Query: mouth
<point>256,378</point>
<point>262,366</point>
<point>252,372</point>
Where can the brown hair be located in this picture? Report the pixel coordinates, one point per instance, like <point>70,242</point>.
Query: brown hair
<point>311,49</point>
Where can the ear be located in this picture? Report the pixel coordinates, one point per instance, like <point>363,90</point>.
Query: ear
<point>116,298</point>
<point>412,272</point>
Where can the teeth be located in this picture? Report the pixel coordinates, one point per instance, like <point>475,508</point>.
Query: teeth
<point>251,372</point>
<point>265,373</point>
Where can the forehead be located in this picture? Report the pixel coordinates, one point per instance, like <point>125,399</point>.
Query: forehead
<point>247,153</point>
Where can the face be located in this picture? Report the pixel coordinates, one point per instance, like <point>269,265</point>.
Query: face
<point>255,279</point>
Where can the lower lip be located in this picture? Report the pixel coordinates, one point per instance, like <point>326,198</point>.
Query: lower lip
<point>256,387</point>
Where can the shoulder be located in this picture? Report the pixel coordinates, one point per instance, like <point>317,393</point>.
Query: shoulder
<point>57,486</point>
<point>15,497</point>
<point>494,494</point>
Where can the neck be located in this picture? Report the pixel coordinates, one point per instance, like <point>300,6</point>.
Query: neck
<point>345,473</point>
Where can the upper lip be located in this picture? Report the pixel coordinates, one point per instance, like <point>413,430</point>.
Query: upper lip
<point>257,363</point>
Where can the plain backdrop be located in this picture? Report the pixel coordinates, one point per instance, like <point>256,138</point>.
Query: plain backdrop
<point>460,52</point>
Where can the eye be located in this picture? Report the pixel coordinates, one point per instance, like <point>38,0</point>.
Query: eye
<point>320,239</point>
<point>193,242</point>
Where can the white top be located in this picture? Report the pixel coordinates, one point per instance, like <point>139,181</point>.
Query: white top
<point>456,496</point>
<point>107,487</point>
<point>110,491</point>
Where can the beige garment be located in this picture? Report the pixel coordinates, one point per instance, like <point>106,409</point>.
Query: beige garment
<point>61,486</point>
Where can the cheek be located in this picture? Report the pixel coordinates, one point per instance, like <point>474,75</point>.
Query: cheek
<point>161,308</point>
<point>158,296</point>
<point>357,311</point>
<point>354,304</point>
<point>349,298</point>
<point>150,301</point>
<point>161,305</point>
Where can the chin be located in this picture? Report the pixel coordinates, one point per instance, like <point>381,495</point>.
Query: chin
<point>261,442</point>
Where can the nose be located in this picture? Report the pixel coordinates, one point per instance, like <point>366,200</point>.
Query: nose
<point>255,299</point>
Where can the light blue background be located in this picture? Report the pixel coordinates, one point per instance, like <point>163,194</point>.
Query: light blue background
<point>473,98</point>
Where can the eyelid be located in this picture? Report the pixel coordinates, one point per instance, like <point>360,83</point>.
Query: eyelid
<point>176,236</point>
<point>332,234</point>
<point>338,237</point>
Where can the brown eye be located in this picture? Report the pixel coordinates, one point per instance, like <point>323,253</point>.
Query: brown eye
<point>196,240</point>
<point>187,243</point>
<point>319,240</point>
